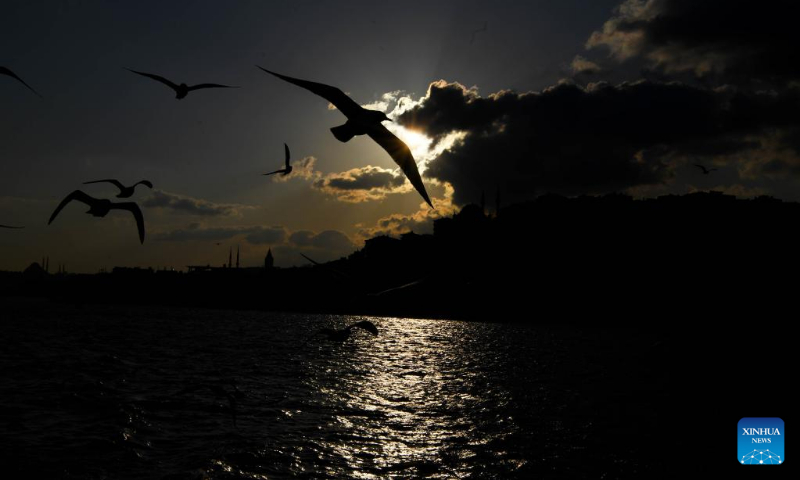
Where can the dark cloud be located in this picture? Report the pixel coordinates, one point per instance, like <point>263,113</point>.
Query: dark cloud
<point>582,65</point>
<point>322,247</point>
<point>361,184</point>
<point>255,234</point>
<point>575,140</point>
<point>192,206</point>
<point>332,240</point>
<point>735,40</point>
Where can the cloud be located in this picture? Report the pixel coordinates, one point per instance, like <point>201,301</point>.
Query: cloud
<point>595,139</point>
<point>353,186</point>
<point>419,222</point>
<point>362,184</point>
<point>325,245</point>
<point>326,240</point>
<point>192,206</point>
<point>740,40</point>
<point>322,247</point>
<point>253,234</point>
<point>582,65</point>
<point>301,169</point>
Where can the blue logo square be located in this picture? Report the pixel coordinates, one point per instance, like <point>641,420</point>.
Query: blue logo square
<point>760,441</point>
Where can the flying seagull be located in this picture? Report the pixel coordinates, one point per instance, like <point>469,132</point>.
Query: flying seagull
<point>9,226</point>
<point>475,32</point>
<point>344,334</point>
<point>99,207</point>
<point>705,170</point>
<point>124,192</point>
<point>180,90</point>
<point>286,170</point>
<point>5,71</point>
<point>361,121</point>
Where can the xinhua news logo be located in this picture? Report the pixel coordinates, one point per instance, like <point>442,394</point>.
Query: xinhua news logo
<point>761,441</point>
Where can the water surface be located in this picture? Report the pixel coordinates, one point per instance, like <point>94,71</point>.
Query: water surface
<point>139,392</point>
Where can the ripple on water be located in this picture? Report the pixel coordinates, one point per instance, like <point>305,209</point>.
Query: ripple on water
<point>97,393</point>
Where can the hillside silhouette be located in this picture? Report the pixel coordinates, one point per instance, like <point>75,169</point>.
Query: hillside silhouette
<point>554,259</point>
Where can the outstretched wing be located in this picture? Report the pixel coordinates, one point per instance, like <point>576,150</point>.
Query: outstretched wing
<point>273,173</point>
<point>5,71</point>
<point>137,214</point>
<point>145,183</point>
<point>76,195</point>
<point>157,78</point>
<point>108,180</point>
<point>209,85</point>
<point>310,260</point>
<point>286,147</point>
<point>345,104</point>
<point>366,325</point>
<point>701,167</point>
<point>9,226</point>
<point>402,156</point>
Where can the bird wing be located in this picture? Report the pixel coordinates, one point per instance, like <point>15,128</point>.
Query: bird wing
<point>5,71</point>
<point>273,173</point>
<point>109,180</point>
<point>700,167</point>
<point>345,104</point>
<point>310,260</point>
<point>286,147</point>
<point>209,85</point>
<point>9,226</point>
<point>76,195</point>
<point>402,156</point>
<point>145,183</point>
<point>157,78</point>
<point>137,214</point>
<point>366,325</point>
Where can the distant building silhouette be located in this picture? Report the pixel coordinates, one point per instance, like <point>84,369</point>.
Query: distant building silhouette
<point>269,261</point>
<point>34,272</point>
<point>237,256</point>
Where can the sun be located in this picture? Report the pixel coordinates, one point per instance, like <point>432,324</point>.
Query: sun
<point>418,142</point>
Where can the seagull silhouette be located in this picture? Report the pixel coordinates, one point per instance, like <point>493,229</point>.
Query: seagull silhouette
<point>475,32</point>
<point>705,170</point>
<point>124,192</point>
<point>9,226</point>
<point>180,90</point>
<point>5,71</point>
<point>344,334</point>
<point>100,207</point>
<point>288,169</point>
<point>361,121</point>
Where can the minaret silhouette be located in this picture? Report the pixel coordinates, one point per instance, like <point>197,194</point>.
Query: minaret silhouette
<point>269,261</point>
<point>237,256</point>
<point>230,257</point>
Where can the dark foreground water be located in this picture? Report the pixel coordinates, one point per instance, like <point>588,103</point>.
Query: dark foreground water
<point>142,392</point>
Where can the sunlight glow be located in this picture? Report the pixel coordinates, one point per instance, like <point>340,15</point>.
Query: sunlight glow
<point>422,148</point>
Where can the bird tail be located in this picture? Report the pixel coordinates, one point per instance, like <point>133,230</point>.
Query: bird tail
<point>343,133</point>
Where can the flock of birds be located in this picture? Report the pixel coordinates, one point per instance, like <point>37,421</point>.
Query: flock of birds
<point>360,121</point>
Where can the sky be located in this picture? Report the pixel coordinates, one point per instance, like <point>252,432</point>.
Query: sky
<point>573,97</point>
